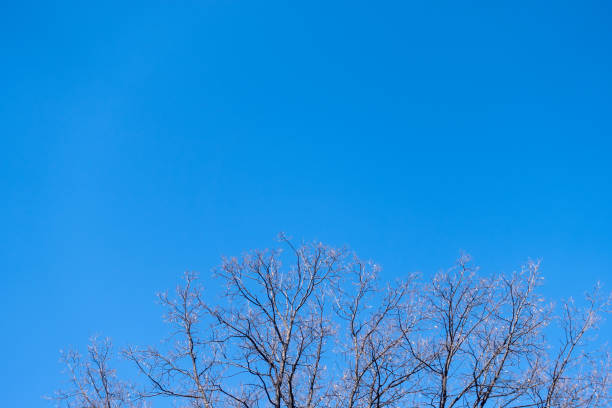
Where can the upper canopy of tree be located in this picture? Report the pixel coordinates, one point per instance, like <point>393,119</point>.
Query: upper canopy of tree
<point>314,326</point>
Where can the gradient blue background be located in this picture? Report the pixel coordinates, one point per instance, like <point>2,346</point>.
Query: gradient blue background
<point>142,139</point>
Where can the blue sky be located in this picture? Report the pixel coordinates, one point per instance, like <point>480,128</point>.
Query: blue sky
<point>141,140</point>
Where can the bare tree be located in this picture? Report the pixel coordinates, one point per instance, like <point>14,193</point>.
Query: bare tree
<point>275,326</point>
<point>487,332</point>
<point>375,326</point>
<point>577,374</point>
<point>93,383</point>
<point>312,326</point>
<point>187,368</point>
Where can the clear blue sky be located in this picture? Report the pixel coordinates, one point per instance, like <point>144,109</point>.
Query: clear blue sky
<point>142,140</point>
